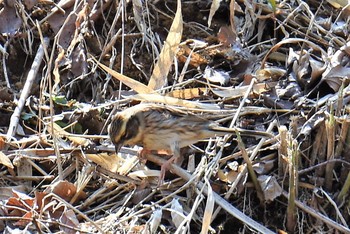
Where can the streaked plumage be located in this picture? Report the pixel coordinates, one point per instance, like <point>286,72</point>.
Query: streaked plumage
<point>156,127</point>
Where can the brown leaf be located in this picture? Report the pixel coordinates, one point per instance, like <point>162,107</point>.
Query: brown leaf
<point>166,56</point>
<point>63,189</point>
<point>65,25</point>
<point>69,218</point>
<point>131,83</point>
<point>335,77</point>
<point>263,167</point>
<point>30,3</point>
<point>173,101</point>
<point>7,192</point>
<point>190,93</point>
<point>196,59</point>
<point>237,92</point>
<point>226,36</point>
<point>270,187</point>
<point>111,163</point>
<point>10,22</point>
<point>24,222</point>
<point>4,160</point>
<point>273,73</point>
<point>20,205</point>
<point>76,140</point>
<point>213,8</point>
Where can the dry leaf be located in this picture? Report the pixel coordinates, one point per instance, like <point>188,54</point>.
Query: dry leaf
<point>7,192</point>
<point>80,18</point>
<point>177,213</point>
<point>155,220</point>
<point>222,175</point>
<point>196,59</point>
<point>338,3</point>
<point>20,198</point>
<point>2,138</point>
<point>173,101</point>
<point>231,175</point>
<point>312,122</point>
<point>336,76</point>
<point>127,165</point>
<point>144,174</point>
<point>237,92</point>
<point>69,218</point>
<point>208,212</point>
<point>187,93</point>
<point>216,76</point>
<point>166,56</point>
<point>63,189</point>
<point>21,205</point>
<point>131,83</point>
<point>62,25</point>
<point>307,69</point>
<point>226,36</point>
<point>109,162</point>
<point>79,61</point>
<point>270,187</point>
<point>10,23</point>
<point>213,8</point>
<point>26,219</point>
<point>273,73</point>
<point>76,140</point>
<point>4,160</point>
<point>56,72</point>
<point>263,167</point>
<point>292,41</point>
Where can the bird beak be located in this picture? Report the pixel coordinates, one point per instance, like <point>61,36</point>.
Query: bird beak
<point>117,147</point>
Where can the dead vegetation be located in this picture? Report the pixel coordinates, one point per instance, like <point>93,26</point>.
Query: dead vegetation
<point>283,68</point>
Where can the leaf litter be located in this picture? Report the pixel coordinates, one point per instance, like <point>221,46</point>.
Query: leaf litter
<point>279,67</point>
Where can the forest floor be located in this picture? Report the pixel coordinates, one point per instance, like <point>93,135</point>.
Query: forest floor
<point>276,67</point>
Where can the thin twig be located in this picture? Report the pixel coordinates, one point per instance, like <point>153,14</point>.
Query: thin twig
<point>218,200</point>
<point>26,90</point>
<point>319,216</point>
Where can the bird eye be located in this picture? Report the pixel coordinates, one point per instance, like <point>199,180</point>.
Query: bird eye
<point>127,135</point>
<point>131,128</point>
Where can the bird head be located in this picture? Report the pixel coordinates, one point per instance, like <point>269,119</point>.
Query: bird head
<point>123,130</point>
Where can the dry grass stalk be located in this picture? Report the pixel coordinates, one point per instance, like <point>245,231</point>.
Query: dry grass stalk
<point>218,199</point>
<point>293,154</point>
<point>321,157</point>
<point>317,145</point>
<point>330,130</point>
<point>283,152</point>
<point>250,169</point>
<point>344,190</point>
<point>128,37</point>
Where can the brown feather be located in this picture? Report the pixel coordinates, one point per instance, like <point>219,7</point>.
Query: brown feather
<point>157,127</point>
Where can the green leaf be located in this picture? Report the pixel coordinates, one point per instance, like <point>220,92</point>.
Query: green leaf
<point>27,116</point>
<point>273,4</point>
<point>60,100</point>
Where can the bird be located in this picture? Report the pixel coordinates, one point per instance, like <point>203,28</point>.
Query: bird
<point>157,127</point>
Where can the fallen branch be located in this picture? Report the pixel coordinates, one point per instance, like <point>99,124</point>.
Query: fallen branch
<point>26,90</point>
